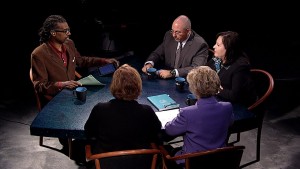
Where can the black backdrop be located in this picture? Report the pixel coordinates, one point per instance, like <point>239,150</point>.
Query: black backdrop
<point>270,32</point>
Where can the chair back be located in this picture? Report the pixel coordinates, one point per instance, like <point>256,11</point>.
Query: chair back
<point>211,53</point>
<point>225,157</point>
<point>38,102</point>
<point>264,84</point>
<point>124,159</point>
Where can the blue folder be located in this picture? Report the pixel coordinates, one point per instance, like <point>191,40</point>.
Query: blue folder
<point>163,102</point>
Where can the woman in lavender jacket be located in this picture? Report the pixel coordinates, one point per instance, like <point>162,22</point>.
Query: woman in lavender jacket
<point>204,125</point>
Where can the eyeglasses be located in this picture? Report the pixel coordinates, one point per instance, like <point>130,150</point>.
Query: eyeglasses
<point>175,32</point>
<point>66,31</point>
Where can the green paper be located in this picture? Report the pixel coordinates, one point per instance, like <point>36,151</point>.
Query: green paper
<point>89,80</point>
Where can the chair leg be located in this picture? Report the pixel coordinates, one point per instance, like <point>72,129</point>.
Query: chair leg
<point>238,137</point>
<point>154,161</point>
<point>164,165</point>
<point>258,144</point>
<point>70,146</point>
<point>258,138</point>
<point>97,163</point>
<point>41,140</point>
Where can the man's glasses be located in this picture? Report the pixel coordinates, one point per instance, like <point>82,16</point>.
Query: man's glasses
<point>175,32</point>
<point>66,31</point>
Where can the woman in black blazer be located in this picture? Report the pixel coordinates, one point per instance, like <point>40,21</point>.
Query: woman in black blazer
<point>233,67</point>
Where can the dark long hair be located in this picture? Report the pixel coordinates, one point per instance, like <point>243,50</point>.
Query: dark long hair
<point>49,24</point>
<point>233,45</point>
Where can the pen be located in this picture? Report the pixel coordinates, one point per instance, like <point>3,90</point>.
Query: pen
<point>170,104</point>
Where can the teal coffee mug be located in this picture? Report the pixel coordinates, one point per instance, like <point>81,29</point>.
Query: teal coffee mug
<point>151,72</point>
<point>81,93</point>
<point>190,99</point>
<point>180,83</point>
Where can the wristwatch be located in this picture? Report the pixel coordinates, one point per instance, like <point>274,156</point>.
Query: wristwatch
<point>173,73</point>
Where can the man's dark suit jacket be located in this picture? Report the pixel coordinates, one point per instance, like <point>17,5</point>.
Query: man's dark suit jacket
<point>193,54</point>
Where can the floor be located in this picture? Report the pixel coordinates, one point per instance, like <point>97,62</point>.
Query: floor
<point>280,144</point>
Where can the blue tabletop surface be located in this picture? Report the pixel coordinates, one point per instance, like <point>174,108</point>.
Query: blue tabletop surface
<point>65,116</point>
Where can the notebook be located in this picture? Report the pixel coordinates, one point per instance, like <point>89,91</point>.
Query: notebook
<point>163,102</point>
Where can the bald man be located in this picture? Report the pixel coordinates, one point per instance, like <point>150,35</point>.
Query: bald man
<point>193,51</point>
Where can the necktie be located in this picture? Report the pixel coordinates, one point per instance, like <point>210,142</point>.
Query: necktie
<point>178,51</point>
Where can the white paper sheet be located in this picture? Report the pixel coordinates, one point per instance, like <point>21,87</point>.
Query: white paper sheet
<point>166,116</point>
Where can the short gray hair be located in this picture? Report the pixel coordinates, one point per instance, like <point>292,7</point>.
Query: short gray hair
<point>203,81</point>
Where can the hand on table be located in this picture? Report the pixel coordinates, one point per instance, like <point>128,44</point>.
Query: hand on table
<point>70,84</point>
<point>146,66</point>
<point>114,61</point>
<point>164,74</point>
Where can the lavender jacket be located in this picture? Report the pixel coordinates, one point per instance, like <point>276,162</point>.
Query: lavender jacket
<point>203,126</point>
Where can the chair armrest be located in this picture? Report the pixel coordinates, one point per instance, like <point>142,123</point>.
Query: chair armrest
<point>90,156</point>
<point>78,76</point>
<point>88,152</point>
<point>164,152</point>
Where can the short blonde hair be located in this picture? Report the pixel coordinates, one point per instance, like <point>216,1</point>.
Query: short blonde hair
<point>203,81</point>
<point>126,83</point>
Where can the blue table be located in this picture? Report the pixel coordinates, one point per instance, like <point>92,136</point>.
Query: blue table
<point>64,116</point>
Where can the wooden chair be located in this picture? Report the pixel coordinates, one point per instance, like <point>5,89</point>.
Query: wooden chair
<point>226,157</point>
<point>40,106</point>
<point>38,102</point>
<point>210,53</point>
<point>264,85</point>
<point>124,159</point>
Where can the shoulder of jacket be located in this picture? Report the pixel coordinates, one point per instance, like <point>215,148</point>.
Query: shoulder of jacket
<point>40,49</point>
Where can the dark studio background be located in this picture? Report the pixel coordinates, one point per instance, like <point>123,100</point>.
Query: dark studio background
<point>270,34</point>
